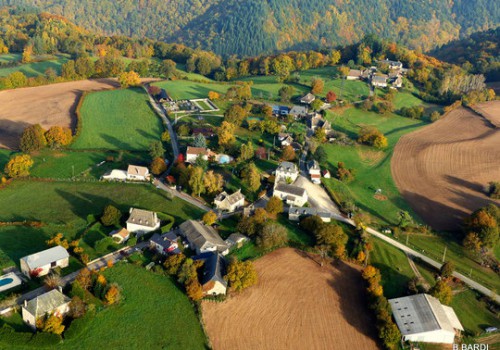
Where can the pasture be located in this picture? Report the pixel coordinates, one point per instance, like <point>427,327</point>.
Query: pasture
<point>187,90</point>
<point>32,69</point>
<point>118,120</point>
<point>296,304</point>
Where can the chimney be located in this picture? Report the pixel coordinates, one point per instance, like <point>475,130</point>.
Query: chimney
<point>60,289</point>
<point>25,303</point>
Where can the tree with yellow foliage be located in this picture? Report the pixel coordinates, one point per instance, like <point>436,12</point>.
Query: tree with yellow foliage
<point>127,79</point>
<point>54,325</point>
<point>19,165</point>
<point>193,289</point>
<point>241,275</point>
<point>113,294</point>
<point>209,218</point>
<point>27,52</point>
<point>213,95</point>
<point>58,136</point>
<point>213,182</point>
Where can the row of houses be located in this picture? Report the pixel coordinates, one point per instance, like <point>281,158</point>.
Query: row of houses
<point>394,77</point>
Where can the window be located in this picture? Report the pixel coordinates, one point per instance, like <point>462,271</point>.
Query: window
<point>53,264</point>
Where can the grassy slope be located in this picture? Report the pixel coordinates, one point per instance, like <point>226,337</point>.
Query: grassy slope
<point>118,119</point>
<point>32,69</point>
<point>184,89</point>
<point>466,307</point>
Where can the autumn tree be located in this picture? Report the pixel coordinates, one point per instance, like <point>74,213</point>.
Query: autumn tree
<point>272,235</point>
<point>334,237</point>
<point>111,216</point>
<point>281,66</point>
<point>472,242</point>
<point>19,165</point>
<point>235,114</point>
<point>173,263</point>
<point>225,134</point>
<point>196,183</point>
<point>251,177</point>
<point>246,152</point>
<point>446,270</point>
<point>127,79</point>
<point>320,155</point>
<point>27,54</point>
<point>209,218</point>
<point>373,137</point>
<point>344,174</point>
<point>112,295</point>
<point>317,85</point>
<point>252,224</point>
<point>33,139</point>
<point>212,95</point>
<point>241,275</point>
<point>485,223</point>
<point>317,104</point>
<point>288,153</point>
<point>193,289</point>
<point>58,136</point>
<point>286,92</point>
<point>213,182</point>
<point>494,190</point>
<point>330,96</point>
<point>77,307</point>
<point>442,291</point>
<point>311,224</point>
<point>165,136</point>
<point>54,325</point>
<point>344,71</point>
<point>52,281</point>
<point>156,150</point>
<point>158,166</point>
<point>84,278</point>
<point>274,205</point>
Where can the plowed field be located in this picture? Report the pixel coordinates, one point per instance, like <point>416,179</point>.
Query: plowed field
<point>296,305</point>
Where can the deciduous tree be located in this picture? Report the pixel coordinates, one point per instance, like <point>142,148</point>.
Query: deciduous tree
<point>58,136</point>
<point>111,215</point>
<point>53,324</point>
<point>113,294</point>
<point>446,270</point>
<point>193,289</point>
<point>274,205</point>
<point>317,85</point>
<point>330,96</point>
<point>19,165</point>
<point>226,134</point>
<point>442,291</point>
<point>288,153</point>
<point>173,263</point>
<point>241,275</point>
<point>196,183</point>
<point>209,218</point>
<point>33,138</point>
<point>251,176</point>
<point>127,79</point>
<point>213,182</point>
<point>246,151</point>
<point>272,235</point>
<point>156,150</point>
<point>158,166</point>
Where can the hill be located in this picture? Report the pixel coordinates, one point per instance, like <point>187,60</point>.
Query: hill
<point>255,27</point>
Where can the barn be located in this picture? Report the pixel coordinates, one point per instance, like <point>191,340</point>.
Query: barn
<point>422,318</point>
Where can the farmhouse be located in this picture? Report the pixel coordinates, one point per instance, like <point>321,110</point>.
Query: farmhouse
<point>293,195</point>
<point>314,171</point>
<point>229,202</point>
<point>163,96</point>
<point>214,268</point>
<point>236,240</point>
<point>379,80</point>
<point>287,171</point>
<point>142,221</point>
<point>422,318</point>
<point>39,264</point>
<point>165,243</point>
<point>354,74</point>
<point>307,99</point>
<point>392,64</point>
<point>296,213</point>
<point>193,152</point>
<point>202,238</point>
<point>137,173</point>
<point>298,112</point>
<point>53,302</point>
<point>285,139</point>
<point>316,121</point>
<point>120,236</point>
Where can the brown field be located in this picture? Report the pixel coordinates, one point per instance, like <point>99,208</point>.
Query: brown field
<point>296,305</point>
<point>442,169</point>
<point>47,105</point>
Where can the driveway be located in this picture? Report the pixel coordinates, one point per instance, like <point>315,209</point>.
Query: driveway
<point>318,197</point>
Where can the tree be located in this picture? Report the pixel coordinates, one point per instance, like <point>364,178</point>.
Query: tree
<point>77,307</point>
<point>168,69</point>
<point>316,104</point>
<point>111,216</point>
<point>209,218</point>
<point>320,155</point>
<point>156,150</point>
<point>183,130</point>
<point>272,235</point>
<point>344,70</point>
<point>335,57</point>
<point>127,79</point>
<point>19,165</point>
<point>317,85</point>
<point>373,137</point>
<point>281,66</point>
<point>226,134</point>
<point>334,237</point>
<point>251,177</point>
<point>213,182</point>
<point>173,263</point>
<point>68,70</point>
<point>84,278</point>
<point>442,291</point>
<point>52,281</point>
<point>84,67</point>
<point>344,174</point>
<point>385,107</point>
<point>112,295</point>
<point>53,324</point>
<point>241,275</point>
<point>274,205</point>
<point>390,335</point>
<point>165,136</point>
<point>472,242</point>
<point>27,52</point>
<point>311,224</point>
<point>405,219</point>
<point>158,166</point>
<point>446,270</point>
<point>33,139</point>
<point>484,222</point>
<point>331,96</point>
<point>286,92</point>
<point>58,136</point>
<point>288,153</point>
<point>320,135</point>
<point>494,190</point>
<point>212,95</point>
<point>200,141</point>
<point>196,183</point>
<point>246,152</point>
<point>235,114</point>
<point>193,289</point>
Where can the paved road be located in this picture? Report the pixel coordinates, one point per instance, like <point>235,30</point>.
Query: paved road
<point>160,185</point>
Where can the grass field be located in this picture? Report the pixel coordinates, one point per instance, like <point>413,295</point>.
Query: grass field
<point>118,120</point>
<point>32,69</point>
<point>466,307</point>
<point>184,89</point>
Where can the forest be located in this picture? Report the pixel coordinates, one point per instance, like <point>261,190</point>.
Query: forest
<point>248,28</point>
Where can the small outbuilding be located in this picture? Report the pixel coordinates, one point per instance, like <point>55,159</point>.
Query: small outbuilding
<point>120,236</point>
<point>307,99</point>
<point>40,264</point>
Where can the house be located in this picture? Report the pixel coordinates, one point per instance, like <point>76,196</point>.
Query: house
<point>398,82</point>
<point>50,303</point>
<point>120,236</point>
<point>315,121</point>
<point>287,171</point>
<point>298,112</point>
<point>379,80</point>
<point>193,152</point>
<point>314,171</point>
<point>285,139</point>
<point>236,240</point>
<point>166,243</point>
<point>229,202</point>
<point>115,175</point>
<point>142,221</point>
<point>214,268</point>
<point>307,99</point>
<point>202,238</point>
<point>293,195</point>
<point>422,318</point>
<point>137,173</point>
<point>354,74</point>
<point>391,64</point>
<point>326,173</point>
<point>163,96</point>
<point>280,110</point>
<point>296,213</point>
<point>367,73</point>
<point>39,264</point>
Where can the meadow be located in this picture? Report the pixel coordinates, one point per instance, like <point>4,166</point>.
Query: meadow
<point>32,69</point>
<point>118,120</point>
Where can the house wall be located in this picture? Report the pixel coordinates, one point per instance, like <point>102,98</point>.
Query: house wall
<point>137,177</point>
<point>191,158</point>
<point>440,336</point>
<point>298,201</point>
<point>217,289</point>
<point>43,269</point>
<point>116,175</point>
<point>352,78</point>
<point>134,228</point>
<point>28,318</point>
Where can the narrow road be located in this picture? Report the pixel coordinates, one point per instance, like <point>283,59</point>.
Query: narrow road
<point>160,185</point>
<point>417,273</point>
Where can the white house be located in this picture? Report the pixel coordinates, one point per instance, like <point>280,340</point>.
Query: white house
<point>40,264</point>
<point>229,202</point>
<point>236,240</point>
<point>392,64</point>
<point>214,267</point>
<point>193,152</point>
<point>422,318</point>
<point>202,238</point>
<point>285,139</point>
<point>142,221</point>
<point>287,171</point>
<point>379,80</point>
<point>314,171</point>
<point>292,195</point>
<point>120,236</point>
<point>307,99</point>
<point>115,174</point>
<point>53,302</point>
<point>296,213</point>
<point>137,173</point>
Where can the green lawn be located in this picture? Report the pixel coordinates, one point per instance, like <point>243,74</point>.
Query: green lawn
<point>472,313</point>
<point>118,120</point>
<point>19,241</point>
<point>184,89</point>
<point>32,69</point>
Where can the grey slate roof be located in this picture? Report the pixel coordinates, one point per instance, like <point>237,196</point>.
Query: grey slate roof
<point>45,257</point>
<point>198,234</point>
<point>379,79</point>
<point>165,240</point>
<point>234,238</point>
<point>421,313</point>
<point>307,212</point>
<point>46,303</point>
<point>290,189</point>
<point>287,167</point>
<point>298,110</point>
<point>142,217</point>
<point>230,198</point>
<point>214,267</point>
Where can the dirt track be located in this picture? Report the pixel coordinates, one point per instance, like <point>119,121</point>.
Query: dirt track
<point>296,305</point>
<point>441,170</point>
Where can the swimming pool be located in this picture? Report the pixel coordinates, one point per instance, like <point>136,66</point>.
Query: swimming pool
<point>6,281</point>
<point>9,281</point>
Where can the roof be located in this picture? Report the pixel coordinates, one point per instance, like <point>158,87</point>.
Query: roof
<point>379,78</point>
<point>422,313</point>
<point>235,238</point>
<point>298,110</point>
<point>122,233</point>
<point>45,257</point>
<point>290,189</point>
<point>142,217</point>
<point>199,234</point>
<point>165,240</point>
<point>213,267</point>
<point>308,98</point>
<point>307,211</point>
<point>354,73</point>
<point>313,165</point>
<point>137,170</point>
<point>196,150</point>
<point>230,198</point>
<point>46,303</point>
<point>287,167</point>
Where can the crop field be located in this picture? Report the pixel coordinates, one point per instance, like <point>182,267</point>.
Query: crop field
<point>32,69</point>
<point>118,120</point>
<point>296,304</point>
<point>441,173</point>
